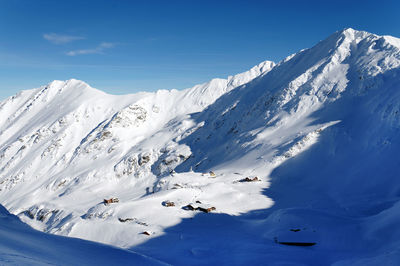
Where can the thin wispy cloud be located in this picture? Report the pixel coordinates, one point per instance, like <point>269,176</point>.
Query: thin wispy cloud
<point>97,50</point>
<point>60,38</point>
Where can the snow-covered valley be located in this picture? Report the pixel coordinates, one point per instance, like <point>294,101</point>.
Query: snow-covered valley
<point>304,150</point>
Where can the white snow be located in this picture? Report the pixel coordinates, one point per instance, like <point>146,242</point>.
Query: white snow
<point>21,245</point>
<point>319,130</point>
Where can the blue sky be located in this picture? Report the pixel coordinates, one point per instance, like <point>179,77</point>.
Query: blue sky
<point>128,46</point>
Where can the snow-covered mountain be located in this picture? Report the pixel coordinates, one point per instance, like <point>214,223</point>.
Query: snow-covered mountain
<point>316,135</point>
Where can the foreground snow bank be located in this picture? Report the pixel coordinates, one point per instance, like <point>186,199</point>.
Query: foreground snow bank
<point>21,245</point>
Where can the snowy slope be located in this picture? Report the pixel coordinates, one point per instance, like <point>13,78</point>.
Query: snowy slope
<point>318,130</point>
<point>21,245</point>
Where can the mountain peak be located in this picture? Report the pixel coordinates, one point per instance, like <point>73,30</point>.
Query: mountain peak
<point>358,35</point>
<point>70,86</point>
<point>351,34</point>
<point>73,83</point>
<point>348,31</point>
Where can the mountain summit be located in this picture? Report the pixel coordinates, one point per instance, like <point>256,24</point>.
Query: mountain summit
<point>302,151</point>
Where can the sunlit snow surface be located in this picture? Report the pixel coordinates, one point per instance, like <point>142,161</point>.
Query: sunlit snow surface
<point>319,130</point>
